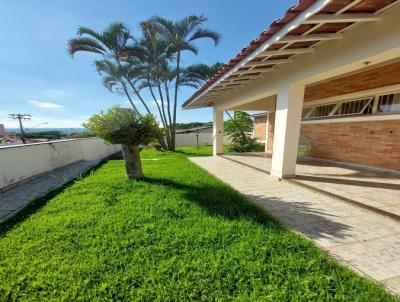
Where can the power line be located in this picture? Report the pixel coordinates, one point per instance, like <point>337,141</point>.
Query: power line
<point>20,117</point>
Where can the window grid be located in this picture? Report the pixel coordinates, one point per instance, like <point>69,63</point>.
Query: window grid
<point>322,111</point>
<point>356,107</point>
<point>386,103</point>
<point>389,102</point>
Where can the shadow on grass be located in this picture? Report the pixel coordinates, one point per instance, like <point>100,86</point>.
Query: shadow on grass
<point>221,200</point>
<point>39,202</point>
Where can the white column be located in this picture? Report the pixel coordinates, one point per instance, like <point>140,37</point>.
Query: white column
<point>266,132</point>
<point>289,107</point>
<point>218,131</point>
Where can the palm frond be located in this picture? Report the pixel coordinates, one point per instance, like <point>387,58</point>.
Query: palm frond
<point>90,32</point>
<point>190,23</point>
<point>109,82</point>
<point>85,44</point>
<point>162,25</point>
<point>186,45</point>
<point>206,33</point>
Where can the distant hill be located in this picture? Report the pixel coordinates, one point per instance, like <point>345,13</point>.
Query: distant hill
<point>191,125</point>
<point>61,130</point>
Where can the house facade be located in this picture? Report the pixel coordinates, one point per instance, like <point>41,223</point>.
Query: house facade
<point>352,118</point>
<point>328,67</point>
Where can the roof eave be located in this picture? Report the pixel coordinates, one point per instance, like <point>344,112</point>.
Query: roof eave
<point>297,21</point>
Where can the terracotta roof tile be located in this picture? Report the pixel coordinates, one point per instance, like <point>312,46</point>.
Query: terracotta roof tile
<point>365,6</point>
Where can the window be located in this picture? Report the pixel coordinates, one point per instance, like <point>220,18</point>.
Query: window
<point>321,111</point>
<point>306,111</point>
<point>389,103</point>
<point>356,107</point>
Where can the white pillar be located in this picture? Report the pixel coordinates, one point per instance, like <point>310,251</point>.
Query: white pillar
<point>289,107</point>
<point>218,131</point>
<point>266,132</point>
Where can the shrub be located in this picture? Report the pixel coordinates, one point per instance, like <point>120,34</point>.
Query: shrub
<point>128,128</point>
<point>239,129</point>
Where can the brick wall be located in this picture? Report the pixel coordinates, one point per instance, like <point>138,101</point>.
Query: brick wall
<point>372,143</point>
<point>260,127</point>
<point>372,78</point>
<point>271,126</point>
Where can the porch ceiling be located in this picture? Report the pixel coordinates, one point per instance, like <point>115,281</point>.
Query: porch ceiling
<point>266,104</point>
<point>303,27</point>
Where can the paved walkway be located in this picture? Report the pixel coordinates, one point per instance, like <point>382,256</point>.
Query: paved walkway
<point>367,242</point>
<point>20,196</point>
<point>370,188</point>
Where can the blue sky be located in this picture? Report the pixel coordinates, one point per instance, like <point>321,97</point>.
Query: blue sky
<point>37,75</point>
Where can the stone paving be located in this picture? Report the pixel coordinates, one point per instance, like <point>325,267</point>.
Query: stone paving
<point>17,198</point>
<point>366,241</point>
<point>371,188</point>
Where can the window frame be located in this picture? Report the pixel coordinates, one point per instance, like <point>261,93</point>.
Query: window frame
<point>358,96</point>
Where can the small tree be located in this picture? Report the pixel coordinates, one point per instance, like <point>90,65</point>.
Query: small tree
<point>126,127</point>
<point>239,129</point>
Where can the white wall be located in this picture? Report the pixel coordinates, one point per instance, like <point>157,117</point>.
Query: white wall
<point>189,139</point>
<point>20,162</point>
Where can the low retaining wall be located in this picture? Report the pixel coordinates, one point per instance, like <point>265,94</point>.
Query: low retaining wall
<point>20,162</point>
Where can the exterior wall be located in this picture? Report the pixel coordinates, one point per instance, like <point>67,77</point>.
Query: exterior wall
<point>189,139</point>
<point>271,126</point>
<point>260,127</point>
<point>372,143</point>
<point>369,79</point>
<point>20,162</point>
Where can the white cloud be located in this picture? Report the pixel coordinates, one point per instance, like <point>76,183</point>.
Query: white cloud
<point>47,105</point>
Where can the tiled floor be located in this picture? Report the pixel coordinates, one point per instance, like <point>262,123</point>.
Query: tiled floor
<point>372,188</point>
<point>19,197</point>
<point>367,242</point>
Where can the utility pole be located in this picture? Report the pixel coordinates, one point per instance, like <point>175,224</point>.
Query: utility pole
<point>20,117</point>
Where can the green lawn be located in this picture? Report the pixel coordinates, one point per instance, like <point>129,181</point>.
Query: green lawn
<point>179,235</point>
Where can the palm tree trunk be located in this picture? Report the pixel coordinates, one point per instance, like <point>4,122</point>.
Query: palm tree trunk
<point>178,71</point>
<point>129,98</point>
<point>133,165</point>
<point>133,88</point>
<point>138,95</point>
<point>162,114</point>
<point>168,102</point>
<point>165,116</point>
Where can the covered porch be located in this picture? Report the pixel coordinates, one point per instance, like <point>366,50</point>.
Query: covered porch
<point>372,189</point>
<point>319,64</point>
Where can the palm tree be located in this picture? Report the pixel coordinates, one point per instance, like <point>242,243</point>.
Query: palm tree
<point>203,72</point>
<point>113,78</point>
<point>110,43</point>
<point>152,62</point>
<point>181,36</point>
<point>149,55</point>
